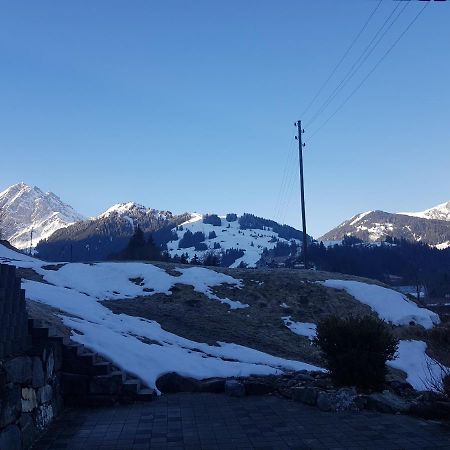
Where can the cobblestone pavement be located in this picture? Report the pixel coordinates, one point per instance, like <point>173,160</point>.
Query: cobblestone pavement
<point>216,422</point>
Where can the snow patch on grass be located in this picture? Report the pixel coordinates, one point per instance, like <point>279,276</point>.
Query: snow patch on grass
<point>390,305</point>
<point>419,367</point>
<point>306,329</point>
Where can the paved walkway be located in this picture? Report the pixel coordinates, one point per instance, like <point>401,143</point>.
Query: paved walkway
<point>216,422</point>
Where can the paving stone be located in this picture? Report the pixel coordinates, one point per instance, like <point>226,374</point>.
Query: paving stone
<point>209,421</point>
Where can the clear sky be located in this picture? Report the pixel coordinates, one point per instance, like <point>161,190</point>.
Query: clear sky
<point>189,105</point>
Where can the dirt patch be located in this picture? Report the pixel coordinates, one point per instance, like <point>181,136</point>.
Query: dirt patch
<point>194,316</point>
<point>54,267</point>
<point>30,274</point>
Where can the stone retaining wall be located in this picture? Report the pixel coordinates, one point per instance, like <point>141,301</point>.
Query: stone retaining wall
<point>13,315</point>
<point>29,371</point>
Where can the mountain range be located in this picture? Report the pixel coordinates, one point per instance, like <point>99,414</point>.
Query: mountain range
<point>60,233</point>
<point>28,213</point>
<point>431,226</point>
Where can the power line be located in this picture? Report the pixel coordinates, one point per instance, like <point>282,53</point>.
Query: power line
<point>336,67</point>
<point>372,70</point>
<point>290,186</point>
<point>284,189</point>
<point>361,60</point>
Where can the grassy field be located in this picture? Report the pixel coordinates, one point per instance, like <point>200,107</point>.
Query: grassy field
<point>194,316</point>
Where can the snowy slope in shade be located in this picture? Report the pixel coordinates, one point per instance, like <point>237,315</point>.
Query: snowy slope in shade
<point>390,305</point>
<point>229,235</point>
<point>421,370</point>
<point>24,208</point>
<point>438,212</point>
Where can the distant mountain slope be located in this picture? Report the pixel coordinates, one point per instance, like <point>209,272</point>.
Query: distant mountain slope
<point>439,212</point>
<point>25,208</point>
<point>373,226</point>
<point>97,238</point>
<point>234,239</point>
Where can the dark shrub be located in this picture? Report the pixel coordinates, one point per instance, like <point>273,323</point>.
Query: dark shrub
<point>190,239</point>
<point>356,349</point>
<point>200,246</point>
<point>212,219</point>
<point>231,217</point>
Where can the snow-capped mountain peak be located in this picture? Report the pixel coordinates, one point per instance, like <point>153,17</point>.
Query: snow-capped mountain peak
<point>25,208</point>
<point>438,212</point>
<point>122,208</point>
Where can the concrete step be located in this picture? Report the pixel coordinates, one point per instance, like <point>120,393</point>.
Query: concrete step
<point>39,332</point>
<point>146,395</point>
<point>88,358</point>
<point>118,375</point>
<point>132,386</point>
<point>106,385</point>
<point>100,368</point>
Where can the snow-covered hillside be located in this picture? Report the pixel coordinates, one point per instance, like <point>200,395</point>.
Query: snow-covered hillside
<point>228,235</point>
<point>25,208</point>
<point>138,345</point>
<point>439,212</point>
<point>142,347</point>
<point>375,226</point>
<point>99,237</point>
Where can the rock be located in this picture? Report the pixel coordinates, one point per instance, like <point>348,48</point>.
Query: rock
<point>29,401</point>
<point>307,395</point>
<point>172,382</point>
<point>344,399</point>
<point>10,438</point>
<point>214,385</point>
<point>28,429</point>
<point>387,402</point>
<point>324,401</point>
<point>234,388</point>
<point>45,394</point>
<point>49,366</point>
<point>44,415</point>
<point>305,377</point>
<point>38,373</point>
<point>10,404</point>
<point>19,370</point>
<point>401,388</point>
<point>254,387</point>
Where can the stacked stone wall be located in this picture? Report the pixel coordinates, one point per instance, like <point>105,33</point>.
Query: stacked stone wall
<point>30,370</point>
<point>13,315</point>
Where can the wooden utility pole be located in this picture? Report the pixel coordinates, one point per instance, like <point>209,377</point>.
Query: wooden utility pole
<point>300,131</point>
<point>31,242</point>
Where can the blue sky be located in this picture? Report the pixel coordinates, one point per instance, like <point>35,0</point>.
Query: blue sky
<point>190,105</point>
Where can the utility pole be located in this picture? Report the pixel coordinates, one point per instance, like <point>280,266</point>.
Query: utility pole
<point>300,131</point>
<point>31,241</point>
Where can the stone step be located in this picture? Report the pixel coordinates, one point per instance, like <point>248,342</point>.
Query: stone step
<point>100,368</point>
<point>39,332</point>
<point>146,395</point>
<point>118,375</point>
<point>88,358</point>
<point>132,386</point>
<point>106,385</point>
